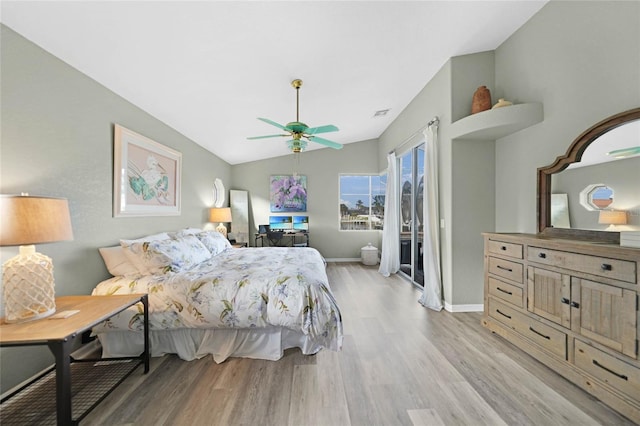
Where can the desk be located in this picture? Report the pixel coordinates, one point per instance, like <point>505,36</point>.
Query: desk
<point>288,237</point>
<point>59,335</point>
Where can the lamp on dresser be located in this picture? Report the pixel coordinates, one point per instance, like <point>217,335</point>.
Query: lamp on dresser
<point>28,283</point>
<point>612,218</point>
<point>221,215</point>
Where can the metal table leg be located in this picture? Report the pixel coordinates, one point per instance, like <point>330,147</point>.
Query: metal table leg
<point>62,353</point>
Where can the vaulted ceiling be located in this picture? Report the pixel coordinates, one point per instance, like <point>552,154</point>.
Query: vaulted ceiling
<point>210,68</point>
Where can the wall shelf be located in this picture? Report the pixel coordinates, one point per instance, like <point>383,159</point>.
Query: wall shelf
<point>497,123</point>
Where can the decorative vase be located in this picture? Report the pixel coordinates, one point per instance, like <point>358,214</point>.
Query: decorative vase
<point>481,100</point>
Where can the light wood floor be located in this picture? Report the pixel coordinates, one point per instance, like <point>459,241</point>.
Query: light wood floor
<point>401,364</point>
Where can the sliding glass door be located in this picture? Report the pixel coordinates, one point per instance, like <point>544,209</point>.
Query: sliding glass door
<point>411,209</point>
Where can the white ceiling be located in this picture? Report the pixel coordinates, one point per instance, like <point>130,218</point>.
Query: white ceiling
<point>210,68</point>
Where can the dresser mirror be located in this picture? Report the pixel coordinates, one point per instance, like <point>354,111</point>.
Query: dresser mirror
<point>607,155</point>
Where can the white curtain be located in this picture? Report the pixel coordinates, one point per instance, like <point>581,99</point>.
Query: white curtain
<point>432,295</point>
<point>390,255</point>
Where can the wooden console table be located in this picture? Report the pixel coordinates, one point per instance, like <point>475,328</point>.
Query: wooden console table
<point>32,402</point>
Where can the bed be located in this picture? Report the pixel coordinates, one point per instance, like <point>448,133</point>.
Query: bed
<point>206,297</point>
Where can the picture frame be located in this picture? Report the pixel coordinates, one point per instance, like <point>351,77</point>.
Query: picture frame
<point>146,176</point>
<point>288,193</point>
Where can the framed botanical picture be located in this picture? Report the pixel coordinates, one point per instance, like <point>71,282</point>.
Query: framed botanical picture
<point>288,193</point>
<point>146,176</point>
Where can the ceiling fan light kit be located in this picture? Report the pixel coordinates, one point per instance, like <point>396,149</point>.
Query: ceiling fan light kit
<point>298,130</point>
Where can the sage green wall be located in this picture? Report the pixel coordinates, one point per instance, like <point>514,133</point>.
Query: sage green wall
<point>322,168</point>
<point>433,100</point>
<point>57,140</point>
<point>466,172</point>
<point>582,61</point>
<point>473,176</point>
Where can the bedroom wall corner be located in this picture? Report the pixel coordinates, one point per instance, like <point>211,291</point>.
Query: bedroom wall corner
<point>57,140</point>
<point>322,168</point>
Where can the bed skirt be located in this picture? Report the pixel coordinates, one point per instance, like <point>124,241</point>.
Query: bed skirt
<point>195,343</point>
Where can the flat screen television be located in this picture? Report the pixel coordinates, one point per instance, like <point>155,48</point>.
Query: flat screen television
<point>301,223</point>
<point>280,223</point>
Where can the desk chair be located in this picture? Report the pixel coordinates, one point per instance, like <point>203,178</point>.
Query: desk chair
<point>275,238</point>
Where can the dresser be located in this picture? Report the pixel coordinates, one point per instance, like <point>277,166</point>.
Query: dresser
<point>573,305</point>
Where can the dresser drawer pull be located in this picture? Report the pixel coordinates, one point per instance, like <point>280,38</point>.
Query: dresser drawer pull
<point>504,291</point>
<point>503,314</point>
<point>503,248</point>
<point>606,267</point>
<point>574,304</point>
<point>542,255</point>
<point>565,300</point>
<point>504,269</point>
<point>539,334</point>
<point>622,376</point>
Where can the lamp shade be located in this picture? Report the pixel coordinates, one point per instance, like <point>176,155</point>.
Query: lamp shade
<point>33,220</point>
<point>221,215</point>
<point>612,217</point>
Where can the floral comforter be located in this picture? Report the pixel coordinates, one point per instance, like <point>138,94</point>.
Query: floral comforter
<point>238,288</point>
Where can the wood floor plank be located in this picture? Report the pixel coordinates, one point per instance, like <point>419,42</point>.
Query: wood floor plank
<point>425,417</point>
<point>401,364</point>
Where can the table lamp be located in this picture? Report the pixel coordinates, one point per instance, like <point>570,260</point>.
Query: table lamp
<point>221,215</point>
<point>612,217</point>
<point>28,284</point>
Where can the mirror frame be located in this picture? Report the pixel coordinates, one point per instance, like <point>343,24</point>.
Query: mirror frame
<point>574,155</point>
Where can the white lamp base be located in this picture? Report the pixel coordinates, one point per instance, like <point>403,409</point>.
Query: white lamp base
<point>29,288</point>
<point>222,229</point>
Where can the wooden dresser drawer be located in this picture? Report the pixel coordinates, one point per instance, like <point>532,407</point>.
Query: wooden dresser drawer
<point>622,376</point>
<point>623,270</point>
<point>506,249</point>
<point>506,269</point>
<point>547,337</point>
<point>506,292</point>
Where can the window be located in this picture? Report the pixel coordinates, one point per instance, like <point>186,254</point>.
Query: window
<point>362,202</point>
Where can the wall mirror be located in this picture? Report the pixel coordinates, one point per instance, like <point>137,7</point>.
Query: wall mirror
<point>608,155</point>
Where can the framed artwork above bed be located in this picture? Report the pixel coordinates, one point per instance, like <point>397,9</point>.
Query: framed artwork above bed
<point>146,176</point>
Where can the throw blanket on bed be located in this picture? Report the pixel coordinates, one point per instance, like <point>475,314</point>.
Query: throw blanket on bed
<point>238,288</point>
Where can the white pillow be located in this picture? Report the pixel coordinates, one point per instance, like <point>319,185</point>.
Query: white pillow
<point>135,260</point>
<point>214,241</point>
<point>185,231</point>
<point>154,237</point>
<point>117,262</point>
<point>163,256</point>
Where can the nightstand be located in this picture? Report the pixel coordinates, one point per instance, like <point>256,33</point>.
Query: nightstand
<point>92,379</point>
<point>239,245</point>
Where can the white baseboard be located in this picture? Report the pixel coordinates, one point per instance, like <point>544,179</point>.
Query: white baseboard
<point>344,259</point>
<point>463,308</point>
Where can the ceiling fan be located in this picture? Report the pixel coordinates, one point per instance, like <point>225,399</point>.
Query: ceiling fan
<point>300,131</point>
